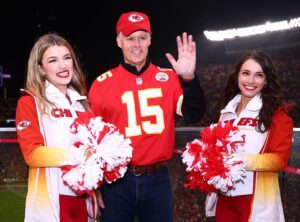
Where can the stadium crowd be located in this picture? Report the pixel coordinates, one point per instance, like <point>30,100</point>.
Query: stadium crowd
<point>12,166</point>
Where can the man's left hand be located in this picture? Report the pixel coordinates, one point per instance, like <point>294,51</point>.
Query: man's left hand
<point>186,62</point>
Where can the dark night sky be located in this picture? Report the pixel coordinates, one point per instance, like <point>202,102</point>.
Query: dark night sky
<point>90,27</point>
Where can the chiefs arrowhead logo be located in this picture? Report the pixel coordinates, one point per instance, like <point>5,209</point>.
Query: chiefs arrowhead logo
<point>135,18</point>
<point>23,125</point>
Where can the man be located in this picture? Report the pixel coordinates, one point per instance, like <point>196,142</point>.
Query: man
<point>141,99</point>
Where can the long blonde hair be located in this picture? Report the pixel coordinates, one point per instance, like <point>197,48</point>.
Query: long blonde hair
<point>35,81</point>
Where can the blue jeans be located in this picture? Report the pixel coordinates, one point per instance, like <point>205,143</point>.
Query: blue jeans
<point>146,196</point>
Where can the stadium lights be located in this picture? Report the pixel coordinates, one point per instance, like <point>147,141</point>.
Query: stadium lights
<point>252,30</point>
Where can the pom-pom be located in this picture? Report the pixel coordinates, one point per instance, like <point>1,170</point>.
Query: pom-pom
<point>109,154</point>
<point>213,161</point>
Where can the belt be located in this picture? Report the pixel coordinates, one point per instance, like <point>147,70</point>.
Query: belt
<point>145,169</point>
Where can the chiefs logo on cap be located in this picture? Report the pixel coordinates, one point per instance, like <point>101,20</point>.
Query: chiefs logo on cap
<point>135,18</point>
<point>23,125</point>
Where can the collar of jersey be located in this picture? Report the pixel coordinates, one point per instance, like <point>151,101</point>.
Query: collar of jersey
<point>132,69</point>
<point>53,93</point>
<point>254,104</point>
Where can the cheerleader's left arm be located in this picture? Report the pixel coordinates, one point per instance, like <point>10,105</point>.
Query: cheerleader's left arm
<point>277,151</point>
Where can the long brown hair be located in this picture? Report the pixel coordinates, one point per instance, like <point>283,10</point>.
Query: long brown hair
<point>271,93</point>
<point>35,81</point>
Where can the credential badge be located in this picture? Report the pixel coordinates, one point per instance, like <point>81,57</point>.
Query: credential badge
<point>162,77</point>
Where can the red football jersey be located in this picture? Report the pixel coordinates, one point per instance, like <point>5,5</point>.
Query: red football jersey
<point>141,107</point>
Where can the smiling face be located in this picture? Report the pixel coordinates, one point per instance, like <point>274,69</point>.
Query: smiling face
<point>57,64</point>
<point>251,79</point>
<point>135,47</point>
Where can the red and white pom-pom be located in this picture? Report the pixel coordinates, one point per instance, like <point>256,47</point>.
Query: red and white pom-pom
<point>213,161</point>
<point>110,154</point>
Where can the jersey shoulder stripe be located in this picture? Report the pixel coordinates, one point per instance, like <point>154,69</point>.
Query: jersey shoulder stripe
<point>165,69</point>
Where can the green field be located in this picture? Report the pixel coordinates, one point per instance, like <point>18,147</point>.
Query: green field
<point>12,203</point>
